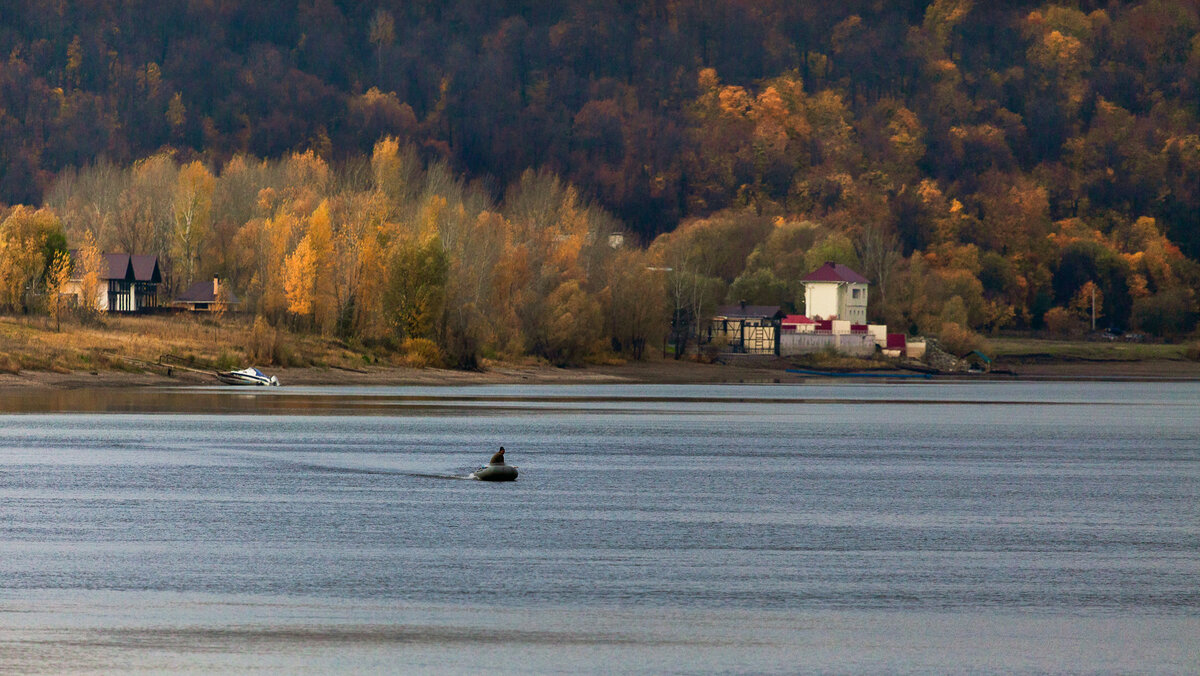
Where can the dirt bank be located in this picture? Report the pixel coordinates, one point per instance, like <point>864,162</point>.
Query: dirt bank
<point>1151,369</point>
<point>656,371</point>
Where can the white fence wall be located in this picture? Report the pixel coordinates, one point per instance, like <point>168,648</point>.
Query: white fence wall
<point>854,344</point>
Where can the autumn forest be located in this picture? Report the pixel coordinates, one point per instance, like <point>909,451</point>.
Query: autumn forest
<point>476,179</point>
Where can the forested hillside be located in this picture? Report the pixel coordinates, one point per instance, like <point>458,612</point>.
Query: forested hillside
<point>987,165</point>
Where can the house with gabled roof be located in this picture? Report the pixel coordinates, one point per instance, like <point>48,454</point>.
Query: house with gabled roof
<point>834,291</point>
<point>205,296</point>
<point>128,283</point>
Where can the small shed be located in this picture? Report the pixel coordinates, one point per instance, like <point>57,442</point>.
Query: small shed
<point>797,324</point>
<point>206,296</point>
<point>753,329</point>
<point>894,344</point>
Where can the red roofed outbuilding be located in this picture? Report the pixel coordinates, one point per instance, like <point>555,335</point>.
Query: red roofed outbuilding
<point>797,324</point>
<point>206,296</point>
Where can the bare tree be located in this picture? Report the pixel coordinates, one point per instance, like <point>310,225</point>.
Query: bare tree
<point>381,31</point>
<point>192,216</point>
<point>89,199</point>
<point>878,250</point>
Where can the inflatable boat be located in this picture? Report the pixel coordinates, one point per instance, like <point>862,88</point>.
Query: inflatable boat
<point>495,473</point>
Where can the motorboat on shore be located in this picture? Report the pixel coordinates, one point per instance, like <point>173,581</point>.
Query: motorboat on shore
<point>247,376</point>
<point>495,472</point>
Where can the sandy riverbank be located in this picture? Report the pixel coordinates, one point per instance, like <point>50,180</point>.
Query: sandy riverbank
<point>648,372</point>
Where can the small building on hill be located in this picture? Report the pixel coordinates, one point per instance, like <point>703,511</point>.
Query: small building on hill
<point>205,296</point>
<point>834,291</point>
<point>128,283</point>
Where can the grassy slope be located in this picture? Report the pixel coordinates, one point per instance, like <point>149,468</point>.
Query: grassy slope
<point>1035,349</point>
<point>33,344</point>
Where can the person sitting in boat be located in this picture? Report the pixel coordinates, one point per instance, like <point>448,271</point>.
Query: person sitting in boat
<point>498,458</point>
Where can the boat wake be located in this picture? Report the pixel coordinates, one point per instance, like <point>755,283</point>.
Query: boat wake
<point>388,472</point>
<point>337,469</point>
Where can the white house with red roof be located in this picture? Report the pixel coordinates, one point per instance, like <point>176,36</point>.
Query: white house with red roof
<point>836,319</point>
<point>834,291</point>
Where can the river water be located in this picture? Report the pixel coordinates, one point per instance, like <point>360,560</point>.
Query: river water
<point>866,528</point>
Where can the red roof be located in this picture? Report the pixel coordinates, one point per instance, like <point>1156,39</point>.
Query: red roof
<point>141,268</point>
<point>145,267</point>
<point>117,266</point>
<point>835,272</point>
<point>796,320</point>
<point>202,292</point>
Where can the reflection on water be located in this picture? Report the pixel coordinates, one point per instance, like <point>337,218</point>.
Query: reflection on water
<point>899,528</point>
<point>487,399</point>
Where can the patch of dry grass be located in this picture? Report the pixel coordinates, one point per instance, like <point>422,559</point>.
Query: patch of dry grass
<point>837,362</point>
<point>1117,350</point>
<point>31,343</point>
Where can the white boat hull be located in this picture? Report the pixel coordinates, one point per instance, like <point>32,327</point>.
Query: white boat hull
<point>250,376</point>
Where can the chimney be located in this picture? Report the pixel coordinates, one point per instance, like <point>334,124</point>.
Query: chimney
<point>216,288</point>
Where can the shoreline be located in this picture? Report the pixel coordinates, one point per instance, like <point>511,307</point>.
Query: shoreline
<point>650,372</point>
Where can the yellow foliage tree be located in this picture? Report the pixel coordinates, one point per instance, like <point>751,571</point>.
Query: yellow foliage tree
<point>28,240</point>
<point>369,319</point>
<point>22,261</point>
<point>91,274</point>
<point>57,278</point>
<point>320,241</point>
<point>571,325</point>
<point>300,273</point>
<point>278,235</point>
<point>392,169</point>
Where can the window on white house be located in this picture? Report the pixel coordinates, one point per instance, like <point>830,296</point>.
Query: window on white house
<point>854,293</point>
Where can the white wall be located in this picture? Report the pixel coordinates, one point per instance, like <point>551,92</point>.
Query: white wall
<point>836,299</point>
<point>879,332</point>
<point>74,287</point>
<point>821,299</point>
<point>915,349</point>
<point>854,309</point>
<point>854,344</point>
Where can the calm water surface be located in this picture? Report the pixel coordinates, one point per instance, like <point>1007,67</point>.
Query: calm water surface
<point>1023,527</point>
